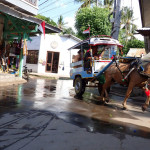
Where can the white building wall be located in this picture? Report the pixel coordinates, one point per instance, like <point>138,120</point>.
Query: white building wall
<point>44,47</point>
<point>66,56</point>
<point>33,45</point>
<point>53,43</point>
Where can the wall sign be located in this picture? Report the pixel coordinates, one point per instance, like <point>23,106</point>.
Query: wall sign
<point>54,44</point>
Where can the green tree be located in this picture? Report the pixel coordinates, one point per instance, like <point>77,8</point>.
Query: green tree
<point>96,17</point>
<point>133,43</point>
<point>108,4</point>
<point>128,27</point>
<point>68,31</point>
<point>61,24</point>
<point>85,3</point>
<point>47,20</point>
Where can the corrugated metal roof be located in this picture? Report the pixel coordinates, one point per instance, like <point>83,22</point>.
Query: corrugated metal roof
<point>71,36</point>
<point>136,52</point>
<point>10,11</point>
<point>144,31</point>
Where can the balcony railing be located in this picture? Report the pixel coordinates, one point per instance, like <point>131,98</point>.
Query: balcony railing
<point>33,2</point>
<point>25,6</point>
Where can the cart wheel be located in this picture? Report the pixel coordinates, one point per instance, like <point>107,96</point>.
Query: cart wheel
<point>79,86</point>
<point>100,86</point>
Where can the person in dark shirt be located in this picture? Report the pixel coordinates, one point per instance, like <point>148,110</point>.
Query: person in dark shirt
<point>95,54</point>
<point>87,60</point>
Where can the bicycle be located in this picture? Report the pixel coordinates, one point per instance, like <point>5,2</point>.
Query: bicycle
<point>26,72</point>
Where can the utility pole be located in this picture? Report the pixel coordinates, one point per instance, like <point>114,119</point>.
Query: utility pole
<point>117,18</point>
<point>97,3</point>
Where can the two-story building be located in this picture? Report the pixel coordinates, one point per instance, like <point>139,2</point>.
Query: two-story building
<point>17,23</point>
<point>145,17</point>
<point>29,7</point>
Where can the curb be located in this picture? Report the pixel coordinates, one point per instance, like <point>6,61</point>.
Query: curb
<point>21,81</point>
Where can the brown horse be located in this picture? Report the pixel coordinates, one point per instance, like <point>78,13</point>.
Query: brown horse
<point>135,79</point>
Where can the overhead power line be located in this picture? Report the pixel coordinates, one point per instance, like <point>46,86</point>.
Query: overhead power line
<point>49,5</point>
<point>64,13</point>
<point>55,7</point>
<point>43,2</point>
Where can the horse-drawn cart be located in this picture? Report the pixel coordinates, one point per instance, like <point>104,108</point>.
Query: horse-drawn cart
<point>95,55</point>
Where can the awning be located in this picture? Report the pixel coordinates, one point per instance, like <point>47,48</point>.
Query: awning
<point>4,9</point>
<point>84,44</point>
<point>144,31</point>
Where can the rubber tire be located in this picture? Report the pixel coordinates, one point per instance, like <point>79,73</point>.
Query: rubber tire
<point>79,86</point>
<point>100,89</point>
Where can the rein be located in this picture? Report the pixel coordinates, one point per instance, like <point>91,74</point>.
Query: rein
<point>119,69</point>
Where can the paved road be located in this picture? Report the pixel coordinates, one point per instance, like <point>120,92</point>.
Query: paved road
<point>45,115</point>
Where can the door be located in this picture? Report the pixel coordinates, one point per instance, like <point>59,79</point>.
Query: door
<point>52,62</point>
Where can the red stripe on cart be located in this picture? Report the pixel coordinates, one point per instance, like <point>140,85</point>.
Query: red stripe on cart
<point>104,61</point>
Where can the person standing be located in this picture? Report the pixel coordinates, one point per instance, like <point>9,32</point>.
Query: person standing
<point>4,63</point>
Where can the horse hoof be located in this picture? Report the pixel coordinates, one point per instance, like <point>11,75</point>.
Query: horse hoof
<point>124,108</point>
<point>107,100</point>
<point>143,108</point>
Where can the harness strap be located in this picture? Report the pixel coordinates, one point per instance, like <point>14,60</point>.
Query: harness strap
<point>119,69</point>
<point>128,73</point>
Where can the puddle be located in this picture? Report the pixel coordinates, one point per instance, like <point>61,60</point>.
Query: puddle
<point>104,127</point>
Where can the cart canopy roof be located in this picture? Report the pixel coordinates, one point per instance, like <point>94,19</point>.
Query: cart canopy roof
<point>85,44</point>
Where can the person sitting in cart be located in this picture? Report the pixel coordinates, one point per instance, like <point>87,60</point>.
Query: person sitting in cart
<point>95,54</point>
<point>87,61</point>
<point>79,55</point>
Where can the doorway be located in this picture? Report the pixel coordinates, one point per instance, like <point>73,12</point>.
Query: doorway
<point>52,62</point>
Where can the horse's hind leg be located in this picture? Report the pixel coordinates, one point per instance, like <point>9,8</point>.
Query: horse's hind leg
<point>129,90</point>
<point>146,104</point>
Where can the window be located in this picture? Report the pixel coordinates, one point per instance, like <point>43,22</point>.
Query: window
<point>107,51</point>
<point>32,57</point>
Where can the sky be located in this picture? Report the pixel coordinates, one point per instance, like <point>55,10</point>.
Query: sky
<point>55,8</point>
<point>68,9</point>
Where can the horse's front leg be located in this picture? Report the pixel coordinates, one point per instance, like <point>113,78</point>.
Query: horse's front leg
<point>106,96</point>
<point>104,93</point>
<point>129,90</point>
